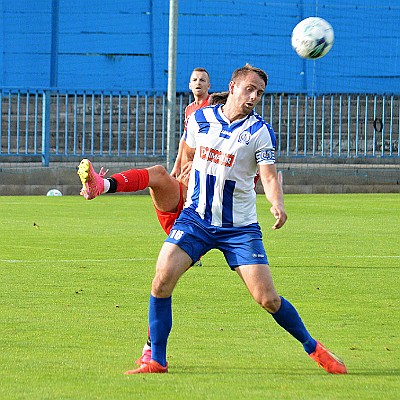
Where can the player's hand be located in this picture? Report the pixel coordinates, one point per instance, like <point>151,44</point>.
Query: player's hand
<point>176,171</point>
<point>184,176</point>
<point>280,216</point>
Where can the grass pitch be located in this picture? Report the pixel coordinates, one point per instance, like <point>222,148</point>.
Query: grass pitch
<point>74,285</point>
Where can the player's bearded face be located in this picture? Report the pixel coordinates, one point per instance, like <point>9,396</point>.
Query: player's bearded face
<point>248,92</point>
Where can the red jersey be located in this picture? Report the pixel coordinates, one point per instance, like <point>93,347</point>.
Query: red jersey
<point>192,107</point>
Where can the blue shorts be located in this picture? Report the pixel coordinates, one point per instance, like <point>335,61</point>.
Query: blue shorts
<point>240,246</point>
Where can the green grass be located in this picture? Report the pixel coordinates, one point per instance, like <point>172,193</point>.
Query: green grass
<point>74,319</point>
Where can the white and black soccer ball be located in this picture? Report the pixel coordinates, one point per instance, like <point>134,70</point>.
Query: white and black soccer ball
<point>312,38</point>
<point>54,192</point>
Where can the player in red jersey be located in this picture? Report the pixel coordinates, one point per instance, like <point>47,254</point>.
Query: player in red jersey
<point>168,191</point>
<point>199,84</point>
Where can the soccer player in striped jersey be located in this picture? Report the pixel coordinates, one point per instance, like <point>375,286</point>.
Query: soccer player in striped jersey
<point>227,144</point>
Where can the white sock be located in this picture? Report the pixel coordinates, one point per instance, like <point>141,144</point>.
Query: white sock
<point>146,347</point>
<point>106,185</point>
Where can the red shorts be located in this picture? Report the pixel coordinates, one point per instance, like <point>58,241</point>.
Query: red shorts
<point>167,219</point>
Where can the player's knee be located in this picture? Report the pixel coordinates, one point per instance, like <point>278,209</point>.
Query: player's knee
<point>158,176</point>
<point>159,290</point>
<point>270,303</point>
<point>158,170</point>
<point>161,287</point>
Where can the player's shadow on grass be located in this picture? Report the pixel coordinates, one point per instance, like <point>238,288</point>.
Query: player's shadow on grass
<point>265,370</point>
<point>261,371</point>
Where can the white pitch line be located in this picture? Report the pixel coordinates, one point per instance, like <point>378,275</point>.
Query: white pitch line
<point>338,256</point>
<point>79,260</point>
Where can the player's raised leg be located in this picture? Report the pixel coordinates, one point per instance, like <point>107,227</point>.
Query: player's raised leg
<point>164,189</point>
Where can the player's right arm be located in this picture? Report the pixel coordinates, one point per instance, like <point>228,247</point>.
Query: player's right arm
<point>183,177</point>
<point>189,140</point>
<point>186,165</point>
<point>187,154</point>
<point>176,170</point>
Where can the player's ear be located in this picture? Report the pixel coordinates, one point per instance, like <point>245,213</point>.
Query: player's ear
<point>231,85</point>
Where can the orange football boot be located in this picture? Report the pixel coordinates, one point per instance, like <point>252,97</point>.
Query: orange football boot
<point>152,367</point>
<point>327,360</point>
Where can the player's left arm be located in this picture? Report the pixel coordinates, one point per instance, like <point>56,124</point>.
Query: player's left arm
<point>273,192</point>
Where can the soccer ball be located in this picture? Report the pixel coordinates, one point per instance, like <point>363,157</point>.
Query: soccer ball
<point>54,192</point>
<point>312,38</point>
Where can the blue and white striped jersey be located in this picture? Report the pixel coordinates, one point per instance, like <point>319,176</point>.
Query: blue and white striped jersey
<point>221,185</point>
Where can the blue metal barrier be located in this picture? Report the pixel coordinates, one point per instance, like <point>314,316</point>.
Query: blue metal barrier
<point>50,124</point>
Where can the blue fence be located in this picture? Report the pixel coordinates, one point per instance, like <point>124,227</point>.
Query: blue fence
<point>120,45</point>
<point>50,125</point>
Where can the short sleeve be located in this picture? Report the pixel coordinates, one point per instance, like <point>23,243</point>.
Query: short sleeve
<point>266,144</point>
<point>190,134</point>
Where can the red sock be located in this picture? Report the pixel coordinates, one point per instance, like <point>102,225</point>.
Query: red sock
<point>132,180</point>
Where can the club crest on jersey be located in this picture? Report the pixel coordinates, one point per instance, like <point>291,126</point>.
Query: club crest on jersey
<point>216,156</point>
<point>265,155</point>
<point>244,137</point>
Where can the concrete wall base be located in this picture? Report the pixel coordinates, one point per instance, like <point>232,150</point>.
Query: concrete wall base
<point>297,178</point>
